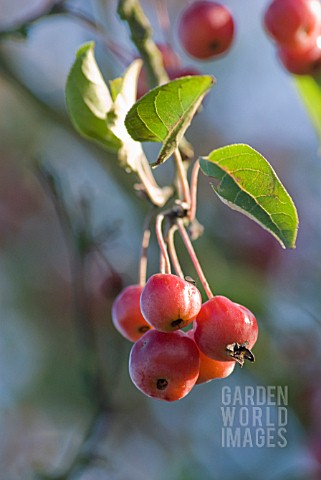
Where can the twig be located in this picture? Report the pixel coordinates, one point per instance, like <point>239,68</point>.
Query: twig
<point>194,258</point>
<point>141,35</point>
<point>60,8</point>
<point>89,363</point>
<point>86,453</point>
<point>49,8</point>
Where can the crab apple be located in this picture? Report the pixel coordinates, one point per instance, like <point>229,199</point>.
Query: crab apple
<point>126,314</point>
<point>206,29</point>
<point>224,330</point>
<point>183,72</point>
<point>168,302</point>
<point>171,60</point>
<point>164,365</point>
<point>301,62</point>
<point>209,368</point>
<point>294,23</point>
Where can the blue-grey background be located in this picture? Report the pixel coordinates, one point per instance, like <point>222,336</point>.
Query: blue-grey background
<point>44,412</point>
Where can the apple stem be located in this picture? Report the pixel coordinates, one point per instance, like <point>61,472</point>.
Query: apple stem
<point>184,190</point>
<point>194,180</point>
<point>193,256</point>
<point>165,265</point>
<point>172,251</point>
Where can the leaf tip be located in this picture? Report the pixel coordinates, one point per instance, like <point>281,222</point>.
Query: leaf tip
<point>85,48</point>
<point>156,164</point>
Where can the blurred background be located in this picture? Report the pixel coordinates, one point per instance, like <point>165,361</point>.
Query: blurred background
<point>68,409</point>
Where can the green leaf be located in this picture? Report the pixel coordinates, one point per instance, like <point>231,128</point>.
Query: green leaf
<point>164,114</point>
<point>248,183</point>
<point>116,86</point>
<point>310,92</point>
<point>89,101</point>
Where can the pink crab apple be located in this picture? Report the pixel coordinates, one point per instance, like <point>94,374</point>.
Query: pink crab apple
<point>302,62</point>
<point>168,302</point>
<point>183,72</point>
<point>126,314</point>
<point>211,369</point>
<point>294,23</point>
<point>224,330</point>
<point>164,365</point>
<point>206,29</point>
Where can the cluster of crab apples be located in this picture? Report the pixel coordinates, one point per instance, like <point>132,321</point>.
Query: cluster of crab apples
<point>206,31</point>
<point>295,26</point>
<point>167,360</point>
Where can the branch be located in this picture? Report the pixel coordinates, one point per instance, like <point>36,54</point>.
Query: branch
<point>51,7</point>
<point>89,358</point>
<point>60,8</point>
<point>141,34</point>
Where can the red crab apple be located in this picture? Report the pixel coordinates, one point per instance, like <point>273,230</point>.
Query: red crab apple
<point>224,330</point>
<point>206,29</point>
<point>294,23</point>
<point>211,369</point>
<point>168,302</point>
<point>302,63</point>
<point>164,365</point>
<point>183,72</point>
<point>126,314</point>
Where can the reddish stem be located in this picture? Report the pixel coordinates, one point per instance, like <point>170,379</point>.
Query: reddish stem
<point>194,258</point>
<point>162,263</point>
<point>165,266</point>
<point>172,251</point>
